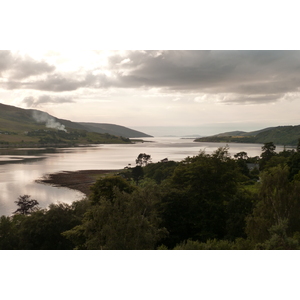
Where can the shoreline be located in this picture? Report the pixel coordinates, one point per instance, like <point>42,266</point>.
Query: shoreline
<point>81,180</point>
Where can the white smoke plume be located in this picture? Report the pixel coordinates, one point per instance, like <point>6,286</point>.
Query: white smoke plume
<point>42,117</point>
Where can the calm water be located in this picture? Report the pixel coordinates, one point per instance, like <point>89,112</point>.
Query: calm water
<point>19,168</point>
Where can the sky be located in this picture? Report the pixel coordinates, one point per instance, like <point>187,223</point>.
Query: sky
<point>221,71</point>
<point>163,92</point>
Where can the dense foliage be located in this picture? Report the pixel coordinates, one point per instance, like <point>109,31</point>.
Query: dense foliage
<point>209,201</point>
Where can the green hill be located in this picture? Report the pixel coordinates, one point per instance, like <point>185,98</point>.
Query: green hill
<point>281,135</point>
<point>29,127</point>
<point>243,133</point>
<point>114,129</point>
<point>15,119</point>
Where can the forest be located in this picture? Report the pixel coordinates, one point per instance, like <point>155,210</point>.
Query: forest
<point>205,202</point>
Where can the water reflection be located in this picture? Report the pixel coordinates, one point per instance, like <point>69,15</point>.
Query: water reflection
<point>23,166</point>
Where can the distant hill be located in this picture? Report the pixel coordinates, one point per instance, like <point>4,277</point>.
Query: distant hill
<point>192,136</point>
<point>281,135</point>
<point>114,130</point>
<point>27,127</point>
<point>243,133</point>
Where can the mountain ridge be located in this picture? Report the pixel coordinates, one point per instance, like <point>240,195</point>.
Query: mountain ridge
<point>16,114</point>
<point>27,127</point>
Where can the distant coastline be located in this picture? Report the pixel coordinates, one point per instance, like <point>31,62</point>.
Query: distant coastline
<point>281,135</point>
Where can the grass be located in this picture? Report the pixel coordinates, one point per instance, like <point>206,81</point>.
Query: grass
<point>44,136</point>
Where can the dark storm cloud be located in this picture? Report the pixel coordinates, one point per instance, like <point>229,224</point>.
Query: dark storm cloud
<point>45,99</point>
<point>219,71</point>
<point>268,73</point>
<point>20,67</point>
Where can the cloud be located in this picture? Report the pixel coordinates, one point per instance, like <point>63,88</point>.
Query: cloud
<point>243,77</point>
<point>45,99</point>
<point>291,96</point>
<point>212,71</point>
<point>53,83</point>
<point>5,60</point>
<point>256,73</point>
<point>56,83</point>
<point>27,67</point>
<point>251,99</point>
<point>62,82</point>
<point>18,66</point>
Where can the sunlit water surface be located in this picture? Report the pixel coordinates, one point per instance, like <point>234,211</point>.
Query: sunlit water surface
<point>20,168</point>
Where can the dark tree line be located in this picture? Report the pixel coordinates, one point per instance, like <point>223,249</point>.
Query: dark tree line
<point>209,201</point>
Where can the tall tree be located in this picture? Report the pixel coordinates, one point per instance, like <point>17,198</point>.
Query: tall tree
<point>298,145</point>
<point>122,222</point>
<point>268,151</point>
<point>143,159</point>
<point>26,205</point>
<point>200,190</point>
<point>241,155</point>
<point>278,203</point>
<point>137,173</point>
<point>104,187</point>
<point>242,158</point>
<point>8,233</point>
<point>294,163</point>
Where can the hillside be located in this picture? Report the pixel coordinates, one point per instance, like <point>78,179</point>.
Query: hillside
<point>29,127</point>
<point>114,130</point>
<point>281,135</point>
<point>243,133</point>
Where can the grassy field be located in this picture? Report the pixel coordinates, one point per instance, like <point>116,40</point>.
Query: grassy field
<point>54,136</point>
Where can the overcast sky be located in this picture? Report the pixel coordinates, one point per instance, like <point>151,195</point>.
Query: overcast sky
<point>183,92</point>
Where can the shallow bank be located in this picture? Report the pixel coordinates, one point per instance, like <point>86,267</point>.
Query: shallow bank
<point>76,180</point>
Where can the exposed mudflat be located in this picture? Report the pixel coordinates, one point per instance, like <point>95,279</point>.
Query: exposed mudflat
<point>77,180</point>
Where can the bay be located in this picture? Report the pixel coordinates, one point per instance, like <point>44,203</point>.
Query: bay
<point>20,168</point>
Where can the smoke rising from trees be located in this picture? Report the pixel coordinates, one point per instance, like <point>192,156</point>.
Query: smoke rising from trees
<point>50,122</point>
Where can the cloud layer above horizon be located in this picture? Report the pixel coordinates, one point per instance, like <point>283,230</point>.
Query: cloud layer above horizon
<point>181,83</point>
